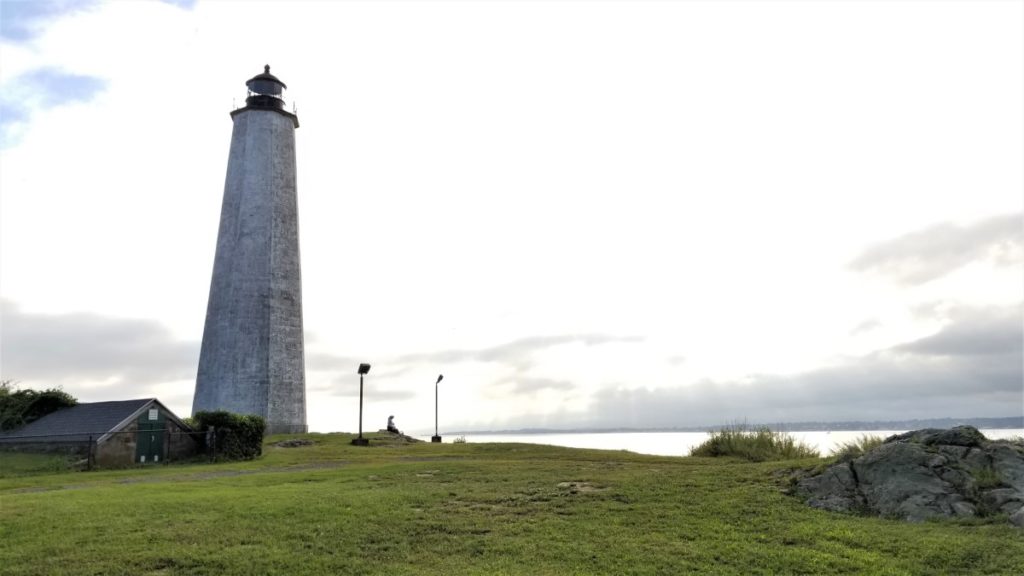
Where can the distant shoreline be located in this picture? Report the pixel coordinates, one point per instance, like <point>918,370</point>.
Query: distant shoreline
<point>1010,422</point>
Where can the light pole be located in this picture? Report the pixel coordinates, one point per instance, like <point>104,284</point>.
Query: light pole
<point>436,437</point>
<point>360,441</point>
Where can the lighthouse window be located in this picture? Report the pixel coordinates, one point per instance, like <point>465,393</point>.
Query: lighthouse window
<point>265,87</point>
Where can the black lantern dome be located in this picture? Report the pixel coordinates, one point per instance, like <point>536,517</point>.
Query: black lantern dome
<point>265,91</point>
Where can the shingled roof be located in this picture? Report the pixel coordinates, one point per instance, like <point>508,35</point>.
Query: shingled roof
<point>78,423</point>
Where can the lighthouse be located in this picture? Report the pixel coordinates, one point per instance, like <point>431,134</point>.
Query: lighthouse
<point>252,359</point>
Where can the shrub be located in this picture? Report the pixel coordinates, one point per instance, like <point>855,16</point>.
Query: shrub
<point>757,445</point>
<point>459,440</point>
<point>233,437</point>
<point>21,407</point>
<point>864,443</point>
<point>987,478</point>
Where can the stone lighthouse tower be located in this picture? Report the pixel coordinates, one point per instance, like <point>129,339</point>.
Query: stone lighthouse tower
<point>252,359</point>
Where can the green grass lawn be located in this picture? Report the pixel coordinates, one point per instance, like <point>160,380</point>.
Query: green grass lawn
<point>464,509</point>
<point>14,464</point>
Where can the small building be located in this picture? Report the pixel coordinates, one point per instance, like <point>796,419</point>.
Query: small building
<point>110,434</point>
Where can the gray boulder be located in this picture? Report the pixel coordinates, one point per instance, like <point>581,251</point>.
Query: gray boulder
<point>1017,518</point>
<point>968,436</point>
<point>926,474</point>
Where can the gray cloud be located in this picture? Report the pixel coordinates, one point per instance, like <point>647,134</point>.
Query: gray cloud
<point>319,361</point>
<point>527,385</point>
<point>22,20</point>
<point>345,382</point>
<point>516,356</point>
<point>517,353</point>
<point>346,389</point>
<point>974,332</point>
<point>51,87</point>
<point>42,88</point>
<point>974,367</point>
<point>866,326</point>
<point>931,253</point>
<point>70,348</point>
<point>380,378</point>
<point>347,367</point>
<point>185,4</point>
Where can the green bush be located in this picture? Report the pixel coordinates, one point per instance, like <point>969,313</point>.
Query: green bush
<point>21,407</point>
<point>756,444</point>
<point>234,436</point>
<point>864,443</point>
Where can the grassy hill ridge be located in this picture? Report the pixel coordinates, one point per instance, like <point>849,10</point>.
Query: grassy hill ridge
<point>423,508</point>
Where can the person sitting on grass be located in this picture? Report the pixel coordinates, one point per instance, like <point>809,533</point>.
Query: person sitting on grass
<point>391,425</point>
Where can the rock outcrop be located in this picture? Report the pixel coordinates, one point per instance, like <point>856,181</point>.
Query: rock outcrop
<point>388,437</point>
<point>294,443</point>
<point>925,474</point>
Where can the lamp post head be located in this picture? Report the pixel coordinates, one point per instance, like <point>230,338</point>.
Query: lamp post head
<point>439,378</point>
<point>364,369</point>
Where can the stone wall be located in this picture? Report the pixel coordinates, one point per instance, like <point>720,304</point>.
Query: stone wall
<point>180,443</point>
<point>118,450</point>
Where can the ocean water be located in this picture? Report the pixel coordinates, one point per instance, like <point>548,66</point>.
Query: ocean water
<point>680,443</point>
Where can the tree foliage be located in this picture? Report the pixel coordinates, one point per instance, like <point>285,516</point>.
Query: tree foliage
<point>19,407</point>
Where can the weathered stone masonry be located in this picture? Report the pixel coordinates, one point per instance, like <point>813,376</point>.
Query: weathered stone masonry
<point>252,358</point>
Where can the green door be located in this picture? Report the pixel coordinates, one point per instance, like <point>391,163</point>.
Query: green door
<point>149,446</point>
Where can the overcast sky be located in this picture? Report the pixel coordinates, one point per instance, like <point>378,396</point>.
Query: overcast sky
<point>581,213</point>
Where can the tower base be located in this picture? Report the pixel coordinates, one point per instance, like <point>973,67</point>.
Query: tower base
<point>285,428</point>
<point>435,439</point>
<point>360,441</point>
